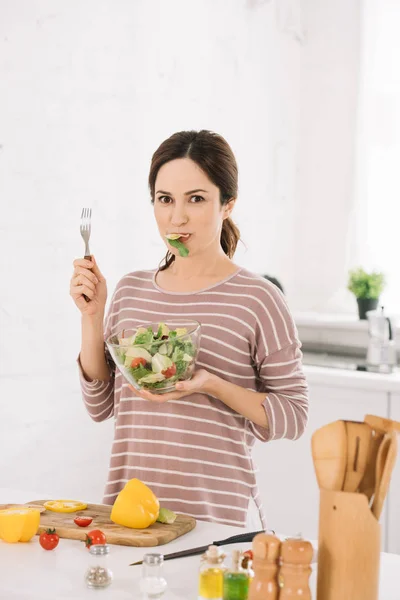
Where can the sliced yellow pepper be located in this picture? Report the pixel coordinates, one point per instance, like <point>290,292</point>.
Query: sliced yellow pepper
<point>64,506</point>
<point>19,524</point>
<point>135,506</point>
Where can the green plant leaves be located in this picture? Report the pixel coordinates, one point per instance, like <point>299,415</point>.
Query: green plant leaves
<point>366,285</point>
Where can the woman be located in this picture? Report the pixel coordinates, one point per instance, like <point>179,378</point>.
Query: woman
<point>193,446</point>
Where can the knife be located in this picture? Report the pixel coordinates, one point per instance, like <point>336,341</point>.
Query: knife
<point>235,539</point>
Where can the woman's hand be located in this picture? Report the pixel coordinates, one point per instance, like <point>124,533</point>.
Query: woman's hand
<point>87,279</point>
<point>199,383</point>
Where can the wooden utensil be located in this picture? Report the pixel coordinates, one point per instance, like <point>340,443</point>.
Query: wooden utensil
<point>381,459</point>
<point>359,437</point>
<point>384,466</point>
<point>382,424</point>
<point>329,452</point>
<point>155,535</point>
<point>367,485</point>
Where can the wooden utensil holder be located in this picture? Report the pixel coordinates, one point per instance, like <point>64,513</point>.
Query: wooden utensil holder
<point>349,546</point>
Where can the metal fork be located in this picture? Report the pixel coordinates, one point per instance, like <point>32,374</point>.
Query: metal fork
<point>85,229</point>
<point>86,217</point>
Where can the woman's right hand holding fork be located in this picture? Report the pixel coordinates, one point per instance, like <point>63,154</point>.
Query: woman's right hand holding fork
<point>87,280</point>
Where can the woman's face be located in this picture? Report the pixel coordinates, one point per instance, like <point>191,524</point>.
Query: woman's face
<point>187,202</point>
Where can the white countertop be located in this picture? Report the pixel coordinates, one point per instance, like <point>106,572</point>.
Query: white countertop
<point>30,573</point>
<point>353,379</point>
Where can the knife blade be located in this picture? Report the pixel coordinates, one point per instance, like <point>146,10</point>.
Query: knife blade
<point>234,539</point>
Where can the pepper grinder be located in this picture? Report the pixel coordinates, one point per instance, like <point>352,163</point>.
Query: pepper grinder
<point>295,569</point>
<point>264,585</point>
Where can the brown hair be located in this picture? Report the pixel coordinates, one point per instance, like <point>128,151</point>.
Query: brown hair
<point>214,156</point>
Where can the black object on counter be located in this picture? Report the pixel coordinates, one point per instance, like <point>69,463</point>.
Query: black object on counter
<point>235,539</point>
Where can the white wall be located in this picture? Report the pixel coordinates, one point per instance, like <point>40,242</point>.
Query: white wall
<point>87,92</point>
<point>377,185</point>
<point>325,198</point>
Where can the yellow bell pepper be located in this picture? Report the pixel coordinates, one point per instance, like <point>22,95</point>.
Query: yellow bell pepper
<point>64,506</point>
<point>19,524</point>
<point>135,506</point>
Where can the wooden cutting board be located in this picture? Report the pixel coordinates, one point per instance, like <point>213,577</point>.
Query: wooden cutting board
<point>155,535</point>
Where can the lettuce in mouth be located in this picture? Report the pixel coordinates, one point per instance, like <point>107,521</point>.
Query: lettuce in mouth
<point>183,251</point>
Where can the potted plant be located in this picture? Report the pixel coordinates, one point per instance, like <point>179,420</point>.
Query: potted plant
<point>367,287</point>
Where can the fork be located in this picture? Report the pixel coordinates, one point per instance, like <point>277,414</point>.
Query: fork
<point>85,229</point>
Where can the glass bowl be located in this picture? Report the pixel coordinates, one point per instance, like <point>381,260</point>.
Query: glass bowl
<point>155,356</point>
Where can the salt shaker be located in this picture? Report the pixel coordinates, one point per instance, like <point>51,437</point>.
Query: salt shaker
<point>98,575</point>
<point>264,585</point>
<point>295,569</point>
<point>152,583</point>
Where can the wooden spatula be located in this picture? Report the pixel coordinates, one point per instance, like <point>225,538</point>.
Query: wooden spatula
<point>329,452</point>
<point>382,424</point>
<point>385,463</point>
<point>359,437</point>
<point>367,485</point>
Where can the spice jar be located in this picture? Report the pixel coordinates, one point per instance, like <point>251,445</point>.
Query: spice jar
<point>295,569</point>
<point>98,575</point>
<point>152,583</point>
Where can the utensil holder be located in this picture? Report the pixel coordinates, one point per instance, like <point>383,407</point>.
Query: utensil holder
<point>349,546</point>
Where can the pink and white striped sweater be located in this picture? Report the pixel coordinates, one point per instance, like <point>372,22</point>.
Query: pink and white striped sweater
<point>195,453</point>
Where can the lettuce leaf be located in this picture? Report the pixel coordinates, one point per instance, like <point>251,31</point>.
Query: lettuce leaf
<point>145,338</point>
<point>140,372</point>
<point>181,366</point>
<point>183,251</point>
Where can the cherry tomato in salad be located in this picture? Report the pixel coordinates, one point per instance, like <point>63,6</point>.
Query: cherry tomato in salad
<point>83,521</point>
<point>249,554</point>
<point>49,539</point>
<point>95,537</point>
<point>170,372</point>
<point>137,361</point>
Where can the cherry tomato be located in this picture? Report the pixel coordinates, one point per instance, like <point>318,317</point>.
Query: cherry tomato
<point>49,539</point>
<point>95,537</point>
<point>138,361</point>
<point>170,372</point>
<point>83,521</point>
<point>249,554</point>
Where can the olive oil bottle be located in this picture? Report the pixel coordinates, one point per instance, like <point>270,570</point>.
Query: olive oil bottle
<point>211,575</point>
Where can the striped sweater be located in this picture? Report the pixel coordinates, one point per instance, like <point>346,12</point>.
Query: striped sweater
<point>195,453</point>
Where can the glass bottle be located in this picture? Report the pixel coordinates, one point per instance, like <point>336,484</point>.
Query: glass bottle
<point>153,583</point>
<point>236,579</point>
<point>98,574</point>
<point>211,575</point>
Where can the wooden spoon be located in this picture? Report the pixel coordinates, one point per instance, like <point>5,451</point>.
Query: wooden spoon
<point>329,452</point>
<point>385,462</point>
<point>359,437</point>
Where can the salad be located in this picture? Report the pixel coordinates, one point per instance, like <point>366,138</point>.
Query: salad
<point>157,360</point>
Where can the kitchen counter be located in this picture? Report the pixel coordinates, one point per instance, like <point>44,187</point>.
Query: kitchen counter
<point>30,573</point>
<point>336,377</point>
